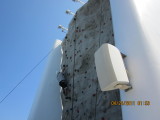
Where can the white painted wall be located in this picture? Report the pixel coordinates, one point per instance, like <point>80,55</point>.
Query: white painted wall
<point>137,34</point>
<point>47,103</point>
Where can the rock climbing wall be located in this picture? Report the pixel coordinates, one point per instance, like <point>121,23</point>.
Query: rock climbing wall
<point>88,30</point>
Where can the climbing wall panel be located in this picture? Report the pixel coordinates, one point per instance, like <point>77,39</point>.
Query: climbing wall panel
<point>88,30</point>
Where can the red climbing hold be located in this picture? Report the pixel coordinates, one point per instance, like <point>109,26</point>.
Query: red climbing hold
<point>102,118</point>
<point>77,111</point>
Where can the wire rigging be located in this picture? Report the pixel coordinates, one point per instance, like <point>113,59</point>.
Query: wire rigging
<point>26,76</point>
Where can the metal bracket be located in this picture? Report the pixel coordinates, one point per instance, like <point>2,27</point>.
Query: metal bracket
<point>123,55</point>
<point>130,87</point>
<point>125,87</point>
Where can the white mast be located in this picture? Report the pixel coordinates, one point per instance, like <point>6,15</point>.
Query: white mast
<point>47,103</point>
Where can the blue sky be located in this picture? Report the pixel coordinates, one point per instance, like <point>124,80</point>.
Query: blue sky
<point>28,29</point>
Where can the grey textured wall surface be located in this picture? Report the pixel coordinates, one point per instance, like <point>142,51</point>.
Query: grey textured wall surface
<point>88,30</point>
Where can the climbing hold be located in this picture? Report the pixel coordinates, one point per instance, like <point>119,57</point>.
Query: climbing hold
<point>77,111</point>
<point>69,90</point>
<point>94,95</point>
<point>105,110</point>
<point>68,98</point>
<point>102,118</point>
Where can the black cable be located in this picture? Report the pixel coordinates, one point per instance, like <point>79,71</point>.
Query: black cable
<point>101,2</point>
<point>74,66</point>
<point>26,75</point>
